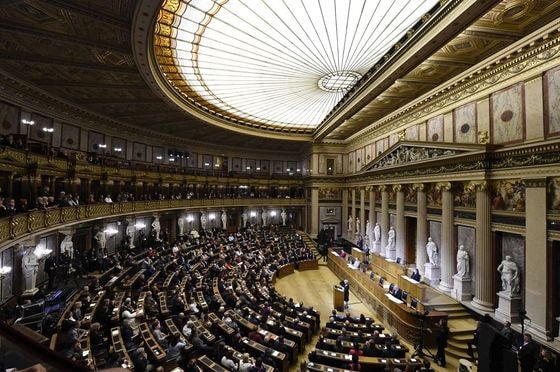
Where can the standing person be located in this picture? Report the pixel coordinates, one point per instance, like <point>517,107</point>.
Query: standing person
<point>346,287</point>
<point>527,353</point>
<point>441,342</point>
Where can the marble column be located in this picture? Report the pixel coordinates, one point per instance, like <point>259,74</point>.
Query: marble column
<point>384,217</point>
<point>344,212</point>
<point>372,216</point>
<point>483,268</point>
<point>536,259</point>
<point>362,212</point>
<point>421,226</point>
<point>400,222</point>
<point>447,249</point>
<point>314,211</point>
<point>352,233</point>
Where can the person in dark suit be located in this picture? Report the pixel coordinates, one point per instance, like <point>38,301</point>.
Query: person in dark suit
<point>346,288</point>
<point>528,353</point>
<point>416,275</point>
<point>441,341</point>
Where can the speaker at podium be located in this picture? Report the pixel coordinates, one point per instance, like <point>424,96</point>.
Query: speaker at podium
<point>338,298</point>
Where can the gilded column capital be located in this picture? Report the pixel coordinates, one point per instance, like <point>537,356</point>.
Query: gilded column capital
<point>443,186</point>
<point>477,186</point>
<point>402,135</point>
<point>418,187</point>
<point>397,187</point>
<point>382,188</point>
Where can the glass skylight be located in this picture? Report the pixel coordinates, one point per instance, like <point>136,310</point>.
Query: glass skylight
<point>277,63</point>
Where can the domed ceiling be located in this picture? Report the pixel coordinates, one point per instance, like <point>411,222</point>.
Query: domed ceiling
<point>276,64</point>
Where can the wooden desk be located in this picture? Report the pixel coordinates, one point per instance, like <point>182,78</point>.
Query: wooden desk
<point>130,282</point>
<point>338,324</point>
<point>168,280</point>
<point>163,303</point>
<point>170,325</point>
<point>391,271</point>
<point>201,301</point>
<point>414,288</point>
<point>366,362</point>
<point>68,309</point>
<point>120,349</point>
<point>204,333</point>
<point>216,291</point>
<point>359,254</point>
<point>258,349</point>
<point>338,297</point>
<point>239,356</point>
<point>117,278</point>
<point>289,343</point>
<point>116,315</point>
<point>315,367</point>
<point>285,270</point>
<point>242,321</point>
<point>399,350</point>
<point>308,265</point>
<point>90,312</point>
<point>208,364</point>
<point>398,315</point>
<point>140,304</point>
<point>224,328</point>
<point>152,345</point>
<point>152,279</point>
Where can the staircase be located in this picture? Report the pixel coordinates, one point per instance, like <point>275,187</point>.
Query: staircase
<point>461,329</point>
<point>310,243</point>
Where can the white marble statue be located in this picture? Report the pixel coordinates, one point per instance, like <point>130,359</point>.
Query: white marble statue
<point>432,251</point>
<point>156,226</point>
<point>357,225</point>
<point>224,219</point>
<point>244,219</point>
<point>30,268</point>
<point>463,265</point>
<point>377,233</point>
<point>203,220</point>
<point>130,232</point>
<point>390,242</point>
<point>263,217</point>
<point>284,215</point>
<point>181,224</point>
<point>368,228</point>
<point>66,245</point>
<point>100,239</point>
<point>350,225</point>
<point>510,276</point>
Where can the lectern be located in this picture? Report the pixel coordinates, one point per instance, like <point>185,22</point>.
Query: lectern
<point>338,297</point>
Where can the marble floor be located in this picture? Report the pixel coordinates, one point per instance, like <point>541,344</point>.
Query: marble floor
<point>314,287</point>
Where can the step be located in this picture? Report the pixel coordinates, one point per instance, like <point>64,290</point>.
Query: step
<point>449,308</point>
<point>459,345</point>
<point>462,314</point>
<point>458,354</point>
<point>461,337</point>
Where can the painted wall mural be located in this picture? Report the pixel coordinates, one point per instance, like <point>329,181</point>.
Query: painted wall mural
<point>507,116</point>
<point>508,195</point>
<point>464,122</point>
<point>463,196</point>
<point>330,193</point>
<point>435,129</point>
<point>433,196</point>
<point>554,194</point>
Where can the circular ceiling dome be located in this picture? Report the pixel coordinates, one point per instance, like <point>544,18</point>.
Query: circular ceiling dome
<point>275,64</point>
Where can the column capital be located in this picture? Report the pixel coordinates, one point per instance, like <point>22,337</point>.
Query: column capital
<point>398,187</point>
<point>478,186</point>
<point>418,187</point>
<point>382,188</point>
<point>443,186</point>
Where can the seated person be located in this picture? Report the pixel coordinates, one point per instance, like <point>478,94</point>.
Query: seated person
<point>356,264</point>
<point>416,275</point>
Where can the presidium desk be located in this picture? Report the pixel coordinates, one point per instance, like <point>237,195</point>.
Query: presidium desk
<point>397,314</point>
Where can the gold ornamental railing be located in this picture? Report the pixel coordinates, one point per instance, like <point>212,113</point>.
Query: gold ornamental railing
<point>21,225</point>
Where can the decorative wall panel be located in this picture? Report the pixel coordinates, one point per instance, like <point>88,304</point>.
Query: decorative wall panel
<point>551,85</point>
<point>464,123</point>
<point>9,116</point>
<point>507,118</point>
<point>434,127</point>
<point>70,136</point>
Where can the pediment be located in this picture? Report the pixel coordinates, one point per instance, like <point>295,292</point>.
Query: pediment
<point>412,152</point>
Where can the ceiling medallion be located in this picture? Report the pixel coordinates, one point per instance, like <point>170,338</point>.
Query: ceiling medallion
<point>338,82</point>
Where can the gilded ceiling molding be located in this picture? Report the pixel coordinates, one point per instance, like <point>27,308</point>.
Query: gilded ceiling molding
<point>534,52</point>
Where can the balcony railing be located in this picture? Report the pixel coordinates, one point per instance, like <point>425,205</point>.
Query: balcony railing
<point>21,225</point>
